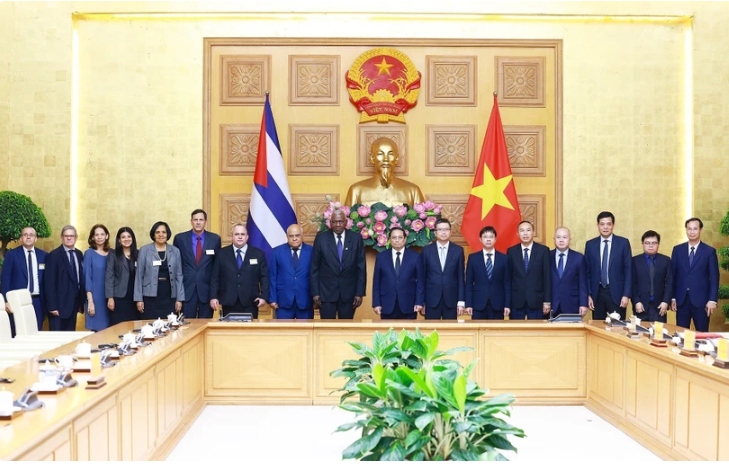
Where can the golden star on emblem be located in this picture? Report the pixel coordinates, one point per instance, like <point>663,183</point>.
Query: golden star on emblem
<point>383,67</point>
<point>491,192</point>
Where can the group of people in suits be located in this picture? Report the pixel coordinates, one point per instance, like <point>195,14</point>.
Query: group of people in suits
<point>195,276</point>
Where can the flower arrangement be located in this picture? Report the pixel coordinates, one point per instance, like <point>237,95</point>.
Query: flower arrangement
<point>373,222</point>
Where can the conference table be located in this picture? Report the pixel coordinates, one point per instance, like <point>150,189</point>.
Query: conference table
<point>677,406</point>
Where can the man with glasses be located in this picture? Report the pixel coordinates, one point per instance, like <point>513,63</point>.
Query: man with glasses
<point>338,275</point>
<point>23,268</point>
<point>290,294</point>
<point>398,284</point>
<point>443,265</point>
<point>652,280</point>
<point>63,284</point>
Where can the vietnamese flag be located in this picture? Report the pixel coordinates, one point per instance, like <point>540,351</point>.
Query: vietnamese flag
<point>493,195</point>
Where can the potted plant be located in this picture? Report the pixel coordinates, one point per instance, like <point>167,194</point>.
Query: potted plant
<point>413,404</point>
<point>723,253</point>
<point>17,212</point>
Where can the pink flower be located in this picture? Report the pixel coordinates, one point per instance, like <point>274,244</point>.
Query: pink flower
<point>350,222</point>
<point>417,225</point>
<point>430,222</point>
<point>380,215</point>
<point>396,225</point>
<point>381,239</point>
<point>346,210</point>
<point>368,221</point>
<point>359,225</point>
<point>423,216</point>
<point>429,205</point>
<point>337,205</point>
<point>407,223</point>
<point>363,210</point>
<point>394,219</point>
<point>379,227</point>
<point>419,208</point>
<point>400,210</point>
<point>329,225</point>
<point>327,214</point>
<point>365,233</point>
<point>436,211</point>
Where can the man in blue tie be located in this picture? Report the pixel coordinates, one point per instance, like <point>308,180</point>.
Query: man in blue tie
<point>569,276</point>
<point>696,279</point>
<point>652,280</point>
<point>289,268</point>
<point>531,278</point>
<point>338,276</point>
<point>609,270</point>
<point>63,284</point>
<point>488,280</point>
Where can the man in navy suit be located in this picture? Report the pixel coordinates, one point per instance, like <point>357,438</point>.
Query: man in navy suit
<point>609,270</point>
<point>288,270</point>
<point>398,284</point>
<point>239,282</point>
<point>652,280</point>
<point>63,284</point>
<point>531,277</point>
<point>488,280</point>
<point>569,276</point>
<point>198,248</point>
<point>696,279</point>
<point>23,269</point>
<point>443,265</point>
<point>338,275</point>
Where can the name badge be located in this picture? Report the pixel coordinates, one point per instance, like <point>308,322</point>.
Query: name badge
<point>156,263</point>
<point>253,261</point>
<point>41,266</point>
<point>210,252</point>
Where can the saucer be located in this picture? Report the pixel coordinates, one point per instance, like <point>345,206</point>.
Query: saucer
<point>81,356</point>
<point>14,409</point>
<point>47,389</point>
<point>7,416</point>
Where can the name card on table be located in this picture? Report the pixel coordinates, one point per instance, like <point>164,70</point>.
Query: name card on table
<point>689,340</point>
<point>722,350</point>
<point>658,330</point>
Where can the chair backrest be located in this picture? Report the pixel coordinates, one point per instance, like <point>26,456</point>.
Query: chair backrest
<point>5,335</point>
<point>21,302</point>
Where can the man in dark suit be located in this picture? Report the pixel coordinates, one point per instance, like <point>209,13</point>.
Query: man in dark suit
<point>652,280</point>
<point>63,284</point>
<point>443,264</point>
<point>398,285</point>
<point>695,268</point>
<point>289,277</point>
<point>531,277</point>
<point>609,270</point>
<point>23,268</point>
<point>569,276</point>
<point>239,282</point>
<point>198,248</point>
<point>338,276</point>
<point>488,285</point>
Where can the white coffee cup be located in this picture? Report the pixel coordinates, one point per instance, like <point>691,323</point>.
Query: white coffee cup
<point>65,361</point>
<point>158,323</point>
<point>172,318</point>
<point>83,349</point>
<point>129,337</point>
<point>6,401</point>
<point>148,330</point>
<point>48,374</point>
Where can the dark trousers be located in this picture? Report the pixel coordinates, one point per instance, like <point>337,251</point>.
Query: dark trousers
<point>38,307</point>
<point>525,312</point>
<point>604,305</point>
<point>441,311</point>
<point>56,323</point>
<point>488,313</point>
<point>193,308</point>
<point>687,312</point>
<point>339,309</point>
<point>294,313</point>
<point>239,308</point>
<point>398,314</point>
<point>651,314</point>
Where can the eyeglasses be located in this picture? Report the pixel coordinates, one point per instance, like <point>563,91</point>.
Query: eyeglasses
<point>442,229</point>
<point>69,236</point>
<point>650,243</point>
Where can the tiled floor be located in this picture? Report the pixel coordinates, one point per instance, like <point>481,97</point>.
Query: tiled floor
<point>283,434</point>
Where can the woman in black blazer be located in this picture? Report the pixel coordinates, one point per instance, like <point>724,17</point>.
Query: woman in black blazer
<point>121,267</point>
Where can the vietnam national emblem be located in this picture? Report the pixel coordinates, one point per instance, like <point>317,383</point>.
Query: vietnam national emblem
<point>383,84</point>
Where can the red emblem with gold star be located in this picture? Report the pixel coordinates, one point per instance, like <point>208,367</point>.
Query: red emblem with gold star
<point>383,84</point>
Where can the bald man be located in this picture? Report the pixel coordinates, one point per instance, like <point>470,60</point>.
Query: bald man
<point>569,276</point>
<point>289,277</point>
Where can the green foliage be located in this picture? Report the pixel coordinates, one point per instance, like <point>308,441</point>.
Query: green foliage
<point>17,212</point>
<point>724,263</point>
<point>413,404</point>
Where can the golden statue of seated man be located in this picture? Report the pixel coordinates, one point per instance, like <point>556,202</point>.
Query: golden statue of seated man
<point>384,186</point>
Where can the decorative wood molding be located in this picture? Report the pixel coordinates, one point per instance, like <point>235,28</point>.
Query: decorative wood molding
<point>451,150</point>
<point>451,80</point>
<point>307,207</point>
<point>369,133</point>
<point>313,149</point>
<point>238,149</point>
<point>453,207</point>
<point>520,81</point>
<point>314,79</point>
<point>233,209</point>
<point>532,208</point>
<point>526,147</point>
<point>245,79</point>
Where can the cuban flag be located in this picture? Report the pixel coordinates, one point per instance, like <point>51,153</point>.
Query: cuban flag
<point>271,211</point>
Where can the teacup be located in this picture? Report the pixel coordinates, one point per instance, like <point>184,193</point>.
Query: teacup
<point>48,375</point>
<point>172,318</point>
<point>6,401</point>
<point>158,324</point>
<point>129,338</point>
<point>65,361</point>
<point>83,349</point>
<point>148,331</point>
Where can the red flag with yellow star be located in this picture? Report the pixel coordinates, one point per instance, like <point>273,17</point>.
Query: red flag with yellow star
<point>493,195</point>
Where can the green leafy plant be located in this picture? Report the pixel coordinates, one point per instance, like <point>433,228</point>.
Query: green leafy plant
<point>724,264</point>
<point>17,212</point>
<point>413,404</point>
